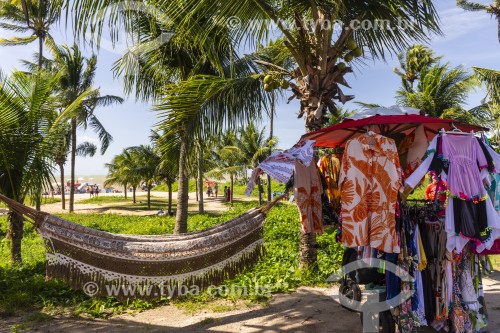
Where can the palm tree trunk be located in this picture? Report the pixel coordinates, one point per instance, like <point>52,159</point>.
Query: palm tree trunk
<point>182,194</point>
<point>169,184</point>
<point>125,190</point>
<point>271,126</point>
<point>197,190</point>
<point>308,252</point>
<point>133,192</point>
<point>73,159</point>
<point>201,209</point>
<point>149,197</point>
<point>259,185</point>
<point>40,52</point>
<point>232,188</point>
<point>63,195</point>
<point>15,234</point>
<point>38,201</point>
<point>498,19</point>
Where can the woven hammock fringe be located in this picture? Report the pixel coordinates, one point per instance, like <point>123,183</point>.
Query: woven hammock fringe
<point>149,290</point>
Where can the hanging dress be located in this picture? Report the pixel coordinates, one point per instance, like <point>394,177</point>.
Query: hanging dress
<point>370,179</point>
<point>469,214</point>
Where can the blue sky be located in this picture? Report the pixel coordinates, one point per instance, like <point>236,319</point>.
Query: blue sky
<point>470,40</point>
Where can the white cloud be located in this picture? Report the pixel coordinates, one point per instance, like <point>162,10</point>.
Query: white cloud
<point>456,22</point>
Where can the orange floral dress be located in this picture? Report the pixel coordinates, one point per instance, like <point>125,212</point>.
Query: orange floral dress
<point>370,179</point>
<point>307,191</point>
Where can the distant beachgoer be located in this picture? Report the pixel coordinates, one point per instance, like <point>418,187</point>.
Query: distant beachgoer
<point>209,190</point>
<point>96,191</point>
<point>216,189</point>
<point>225,192</point>
<point>91,191</point>
<point>229,194</point>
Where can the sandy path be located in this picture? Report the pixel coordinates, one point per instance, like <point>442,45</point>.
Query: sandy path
<point>306,310</point>
<point>211,204</point>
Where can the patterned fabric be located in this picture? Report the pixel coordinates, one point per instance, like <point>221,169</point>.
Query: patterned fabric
<point>329,166</point>
<point>494,191</point>
<point>280,165</point>
<point>308,191</point>
<point>418,298</point>
<point>370,179</point>
<point>459,317</point>
<point>418,144</point>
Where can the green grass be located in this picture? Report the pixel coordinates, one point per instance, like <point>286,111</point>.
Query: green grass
<point>105,199</point>
<point>123,204</point>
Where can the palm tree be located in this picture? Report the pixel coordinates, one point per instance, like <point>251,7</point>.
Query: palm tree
<point>168,166</point>
<point>230,160</point>
<point>35,16</point>
<point>155,75</point>
<point>77,78</point>
<point>145,163</point>
<point>255,148</point>
<point>275,55</point>
<point>62,148</point>
<point>440,88</point>
<point>489,110</point>
<point>493,9</point>
<point>27,135</point>
<point>118,171</point>
<point>317,52</point>
<point>413,62</point>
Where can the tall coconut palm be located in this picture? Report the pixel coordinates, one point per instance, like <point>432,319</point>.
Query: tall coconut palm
<point>27,115</point>
<point>493,9</point>
<point>255,148</point>
<point>118,171</point>
<point>156,73</point>
<point>490,107</point>
<point>35,16</point>
<point>439,88</point>
<point>145,163</point>
<point>168,166</point>
<point>62,148</point>
<point>320,54</point>
<point>230,160</point>
<point>413,62</point>
<point>77,77</point>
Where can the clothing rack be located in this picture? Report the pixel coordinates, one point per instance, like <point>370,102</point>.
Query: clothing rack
<point>456,131</point>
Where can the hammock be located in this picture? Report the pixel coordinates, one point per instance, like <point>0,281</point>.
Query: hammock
<point>154,264</point>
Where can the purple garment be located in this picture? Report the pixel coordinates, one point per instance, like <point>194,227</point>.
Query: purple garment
<point>465,158</point>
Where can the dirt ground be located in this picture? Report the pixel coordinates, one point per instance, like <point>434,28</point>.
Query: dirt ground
<point>306,310</point>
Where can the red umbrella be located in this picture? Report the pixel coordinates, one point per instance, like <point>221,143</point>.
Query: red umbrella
<point>337,135</point>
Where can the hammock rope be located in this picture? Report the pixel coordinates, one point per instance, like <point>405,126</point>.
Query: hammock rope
<point>79,255</point>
